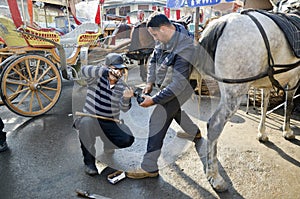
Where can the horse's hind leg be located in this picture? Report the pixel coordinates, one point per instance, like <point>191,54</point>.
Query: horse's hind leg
<point>227,107</point>
<point>262,136</point>
<point>288,108</point>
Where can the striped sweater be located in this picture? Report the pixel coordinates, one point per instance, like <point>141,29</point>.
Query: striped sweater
<point>100,98</point>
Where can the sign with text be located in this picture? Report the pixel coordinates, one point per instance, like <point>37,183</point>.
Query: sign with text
<point>175,3</point>
<point>195,3</point>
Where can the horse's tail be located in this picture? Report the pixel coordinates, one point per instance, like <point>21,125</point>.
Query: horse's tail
<point>208,45</point>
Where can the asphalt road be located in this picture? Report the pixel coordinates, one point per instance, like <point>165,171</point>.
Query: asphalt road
<point>44,158</point>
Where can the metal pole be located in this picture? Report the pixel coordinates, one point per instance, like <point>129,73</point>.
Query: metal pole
<point>45,12</point>
<point>68,15</point>
<point>197,20</point>
<point>23,13</point>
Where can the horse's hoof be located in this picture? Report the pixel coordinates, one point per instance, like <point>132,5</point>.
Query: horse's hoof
<point>218,184</point>
<point>289,135</point>
<point>262,138</point>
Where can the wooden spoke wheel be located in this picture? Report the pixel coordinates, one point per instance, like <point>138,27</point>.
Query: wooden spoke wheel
<point>17,88</point>
<point>30,85</point>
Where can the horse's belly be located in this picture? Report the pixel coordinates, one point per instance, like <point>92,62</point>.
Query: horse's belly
<point>291,77</point>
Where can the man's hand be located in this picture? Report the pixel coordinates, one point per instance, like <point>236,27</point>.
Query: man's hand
<point>147,101</point>
<point>128,93</point>
<point>148,88</point>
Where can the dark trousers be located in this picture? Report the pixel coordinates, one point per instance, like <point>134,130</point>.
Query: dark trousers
<point>112,134</point>
<point>1,124</point>
<point>160,121</point>
<point>2,134</point>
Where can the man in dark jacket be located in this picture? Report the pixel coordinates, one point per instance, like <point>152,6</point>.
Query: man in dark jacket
<point>169,69</point>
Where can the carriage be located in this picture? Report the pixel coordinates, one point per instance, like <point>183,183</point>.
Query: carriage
<point>34,61</point>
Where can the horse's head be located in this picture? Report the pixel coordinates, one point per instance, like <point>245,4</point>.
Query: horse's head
<point>286,6</point>
<point>142,43</point>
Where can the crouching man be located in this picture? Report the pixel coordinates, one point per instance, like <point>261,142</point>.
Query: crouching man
<point>107,95</point>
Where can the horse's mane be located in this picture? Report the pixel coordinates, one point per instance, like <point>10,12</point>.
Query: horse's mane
<point>213,33</point>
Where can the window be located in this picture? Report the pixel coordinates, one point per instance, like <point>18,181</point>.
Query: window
<point>143,7</point>
<point>124,10</point>
<point>111,11</point>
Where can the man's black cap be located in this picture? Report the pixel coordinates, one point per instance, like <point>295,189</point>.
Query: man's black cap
<point>115,60</point>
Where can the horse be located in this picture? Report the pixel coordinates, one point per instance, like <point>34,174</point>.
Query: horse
<point>135,52</point>
<point>243,50</point>
<point>238,56</point>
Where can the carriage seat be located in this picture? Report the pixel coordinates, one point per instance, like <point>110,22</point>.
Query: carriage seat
<point>71,37</point>
<point>9,34</point>
<point>69,40</point>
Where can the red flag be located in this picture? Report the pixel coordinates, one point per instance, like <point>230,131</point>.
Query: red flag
<point>167,12</point>
<point>15,13</point>
<point>128,19</point>
<point>30,11</point>
<point>177,14</point>
<point>98,15</point>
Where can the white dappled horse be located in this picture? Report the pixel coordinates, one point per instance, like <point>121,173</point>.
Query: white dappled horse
<point>241,53</point>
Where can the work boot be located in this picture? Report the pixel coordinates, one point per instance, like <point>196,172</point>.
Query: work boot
<point>189,136</point>
<point>140,173</point>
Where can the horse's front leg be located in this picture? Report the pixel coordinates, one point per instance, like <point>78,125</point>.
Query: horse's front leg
<point>262,135</point>
<point>215,127</point>
<point>287,132</point>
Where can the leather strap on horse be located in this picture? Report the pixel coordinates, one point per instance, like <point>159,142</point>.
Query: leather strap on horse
<point>267,44</point>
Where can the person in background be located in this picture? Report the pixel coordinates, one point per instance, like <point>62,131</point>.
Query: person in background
<point>107,95</point>
<point>169,69</point>
<point>3,143</point>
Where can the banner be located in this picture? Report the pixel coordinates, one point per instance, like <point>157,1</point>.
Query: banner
<point>199,3</point>
<point>194,3</point>
<point>175,3</point>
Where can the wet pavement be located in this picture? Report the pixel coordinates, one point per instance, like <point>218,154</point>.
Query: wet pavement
<point>44,158</point>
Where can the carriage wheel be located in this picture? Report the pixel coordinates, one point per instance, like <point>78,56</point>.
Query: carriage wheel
<point>17,88</point>
<point>40,84</point>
